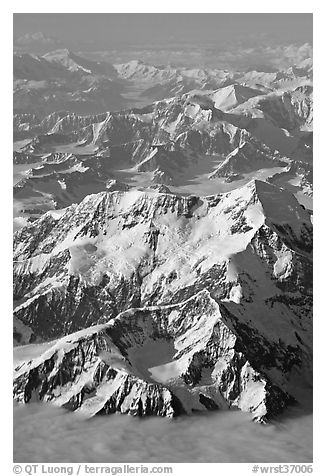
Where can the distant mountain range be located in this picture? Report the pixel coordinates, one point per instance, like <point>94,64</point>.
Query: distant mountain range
<point>227,134</point>
<point>62,80</point>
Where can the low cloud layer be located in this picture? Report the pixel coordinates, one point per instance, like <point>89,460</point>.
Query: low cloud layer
<point>47,434</point>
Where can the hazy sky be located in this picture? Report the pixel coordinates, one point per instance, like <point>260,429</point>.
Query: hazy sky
<point>107,29</point>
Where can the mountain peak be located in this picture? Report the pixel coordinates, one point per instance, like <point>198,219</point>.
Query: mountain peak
<point>231,96</point>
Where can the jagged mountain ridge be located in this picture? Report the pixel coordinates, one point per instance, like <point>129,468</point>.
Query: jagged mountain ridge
<point>244,159</point>
<point>162,361</point>
<point>167,142</point>
<point>249,248</point>
<point>293,110</point>
<point>75,63</point>
<point>62,80</point>
<point>45,83</point>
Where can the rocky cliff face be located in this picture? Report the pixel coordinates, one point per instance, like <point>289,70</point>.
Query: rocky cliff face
<point>230,277</point>
<point>163,361</point>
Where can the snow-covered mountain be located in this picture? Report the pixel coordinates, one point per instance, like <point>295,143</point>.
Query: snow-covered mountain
<point>62,79</point>
<point>246,255</point>
<point>162,360</point>
<point>75,63</point>
<point>178,141</point>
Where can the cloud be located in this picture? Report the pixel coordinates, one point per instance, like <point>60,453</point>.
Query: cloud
<point>44,433</point>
